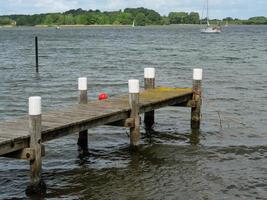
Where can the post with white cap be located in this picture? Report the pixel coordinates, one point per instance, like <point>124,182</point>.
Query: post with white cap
<point>83,99</point>
<point>149,80</point>
<point>197,98</point>
<point>133,85</point>
<point>37,186</point>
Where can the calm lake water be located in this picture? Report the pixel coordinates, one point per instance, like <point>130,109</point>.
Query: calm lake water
<point>228,160</point>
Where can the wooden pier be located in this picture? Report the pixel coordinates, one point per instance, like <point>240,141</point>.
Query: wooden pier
<point>23,137</point>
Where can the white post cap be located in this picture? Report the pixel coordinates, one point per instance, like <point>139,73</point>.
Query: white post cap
<point>82,83</point>
<point>149,72</point>
<point>35,105</point>
<point>133,85</point>
<point>197,74</point>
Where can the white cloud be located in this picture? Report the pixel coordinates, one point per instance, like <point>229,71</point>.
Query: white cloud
<point>55,5</point>
<point>36,6</point>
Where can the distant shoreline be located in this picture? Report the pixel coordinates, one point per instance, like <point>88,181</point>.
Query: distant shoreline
<point>79,25</point>
<point>116,25</point>
<point>128,17</point>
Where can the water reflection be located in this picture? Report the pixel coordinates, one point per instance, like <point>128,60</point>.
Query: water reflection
<point>194,137</point>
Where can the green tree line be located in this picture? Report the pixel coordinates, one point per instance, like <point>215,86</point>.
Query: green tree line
<point>140,16</point>
<point>261,20</point>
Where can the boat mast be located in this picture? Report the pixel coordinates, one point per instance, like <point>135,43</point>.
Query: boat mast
<point>208,13</point>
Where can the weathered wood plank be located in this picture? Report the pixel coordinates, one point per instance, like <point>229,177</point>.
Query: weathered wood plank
<point>149,117</point>
<point>14,134</point>
<point>9,145</point>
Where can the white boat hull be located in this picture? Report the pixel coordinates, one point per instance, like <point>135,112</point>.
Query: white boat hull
<point>210,30</point>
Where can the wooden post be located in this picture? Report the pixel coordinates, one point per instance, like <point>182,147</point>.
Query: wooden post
<point>37,186</point>
<point>134,105</point>
<point>36,55</point>
<point>83,99</point>
<point>149,80</point>
<point>196,111</point>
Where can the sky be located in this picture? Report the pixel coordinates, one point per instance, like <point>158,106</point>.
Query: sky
<point>242,9</point>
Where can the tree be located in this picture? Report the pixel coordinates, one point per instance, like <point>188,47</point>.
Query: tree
<point>69,19</point>
<point>48,20</point>
<point>153,17</point>
<point>257,20</point>
<point>179,18</point>
<point>61,20</point>
<point>91,18</point>
<point>165,21</point>
<point>134,11</point>
<point>5,21</point>
<point>142,16</point>
<point>80,19</point>
<point>103,19</point>
<point>124,18</point>
<point>74,12</point>
<point>228,19</point>
<point>140,19</point>
<point>194,18</point>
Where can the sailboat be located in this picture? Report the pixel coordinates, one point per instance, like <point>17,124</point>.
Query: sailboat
<point>209,28</point>
<point>133,25</point>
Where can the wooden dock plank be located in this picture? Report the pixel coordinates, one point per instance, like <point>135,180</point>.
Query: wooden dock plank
<point>14,134</point>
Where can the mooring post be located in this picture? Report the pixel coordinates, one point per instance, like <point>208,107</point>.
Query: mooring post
<point>197,98</point>
<point>83,99</point>
<point>133,85</point>
<point>36,55</point>
<point>149,80</point>
<point>37,186</point>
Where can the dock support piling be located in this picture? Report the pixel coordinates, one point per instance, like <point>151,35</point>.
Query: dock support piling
<point>83,99</point>
<point>197,98</point>
<point>36,55</point>
<point>37,186</point>
<point>134,105</point>
<point>149,80</point>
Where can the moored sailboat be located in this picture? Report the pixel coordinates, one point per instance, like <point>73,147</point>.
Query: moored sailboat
<point>209,28</point>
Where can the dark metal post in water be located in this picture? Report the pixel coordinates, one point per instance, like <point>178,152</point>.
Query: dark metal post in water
<point>83,99</point>
<point>36,55</point>
<point>134,105</point>
<point>149,79</point>
<point>37,186</point>
<point>197,98</point>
